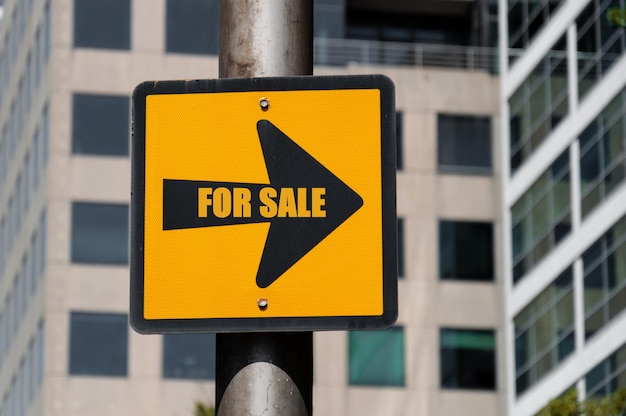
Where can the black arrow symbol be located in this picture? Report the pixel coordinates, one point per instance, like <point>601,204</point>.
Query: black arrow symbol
<point>289,237</point>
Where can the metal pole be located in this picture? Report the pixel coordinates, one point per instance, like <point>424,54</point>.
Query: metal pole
<point>265,373</point>
<point>265,38</point>
<point>269,374</point>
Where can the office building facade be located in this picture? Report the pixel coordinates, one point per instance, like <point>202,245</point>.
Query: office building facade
<point>563,99</point>
<point>67,68</point>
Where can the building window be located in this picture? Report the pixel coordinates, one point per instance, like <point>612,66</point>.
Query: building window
<point>401,244</point>
<point>608,376</point>
<point>376,358</point>
<point>407,26</point>
<point>189,356</point>
<point>399,155</point>
<point>604,266</point>
<point>544,332</point>
<point>98,344</point>
<point>526,19</point>
<point>603,154</point>
<point>99,233</point>
<point>328,24</point>
<point>102,24</point>
<point>466,250</point>
<point>467,359</point>
<point>538,105</point>
<point>464,144</point>
<point>541,218</point>
<point>100,125</point>
<point>600,43</point>
<point>192,26</point>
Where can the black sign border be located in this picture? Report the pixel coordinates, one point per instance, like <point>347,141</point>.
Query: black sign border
<point>270,324</point>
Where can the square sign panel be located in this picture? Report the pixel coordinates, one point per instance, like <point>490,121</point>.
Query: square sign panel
<point>263,204</point>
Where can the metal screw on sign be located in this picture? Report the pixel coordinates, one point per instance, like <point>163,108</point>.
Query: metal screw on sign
<point>262,303</point>
<point>264,103</point>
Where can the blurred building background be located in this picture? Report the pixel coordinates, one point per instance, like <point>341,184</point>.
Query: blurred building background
<point>563,99</point>
<point>510,195</point>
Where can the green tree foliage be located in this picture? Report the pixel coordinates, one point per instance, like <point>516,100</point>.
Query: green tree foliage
<point>617,16</point>
<point>202,409</point>
<point>568,405</point>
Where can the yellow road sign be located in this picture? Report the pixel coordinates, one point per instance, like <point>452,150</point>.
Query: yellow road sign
<point>263,204</point>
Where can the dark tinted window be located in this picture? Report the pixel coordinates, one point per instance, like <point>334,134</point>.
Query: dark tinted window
<point>190,356</point>
<point>99,233</point>
<point>407,26</point>
<point>100,125</point>
<point>102,24</point>
<point>467,359</point>
<point>464,143</point>
<point>192,26</point>
<point>98,344</point>
<point>328,19</point>
<point>466,250</point>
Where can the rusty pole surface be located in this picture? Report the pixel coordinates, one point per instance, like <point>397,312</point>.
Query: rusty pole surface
<point>265,373</point>
<point>261,38</point>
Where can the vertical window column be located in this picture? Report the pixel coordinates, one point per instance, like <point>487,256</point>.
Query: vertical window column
<point>604,266</point>
<point>538,105</point>
<point>544,332</point>
<point>541,218</point>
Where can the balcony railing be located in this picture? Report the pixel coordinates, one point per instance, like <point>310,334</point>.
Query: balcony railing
<point>366,52</point>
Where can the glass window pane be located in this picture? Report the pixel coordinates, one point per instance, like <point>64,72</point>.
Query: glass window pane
<point>466,250</point>
<point>565,347</point>
<point>544,332</point>
<point>543,217</point>
<point>376,358</point>
<point>99,233</point>
<point>526,19</point>
<point>189,356</point>
<point>467,359</point>
<point>464,143</point>
<point>192,26</point>
<point>100,125</point>
<point>608,376</point>
<point>98,344</point>
<point>600,43</point>
<point>602,154</point>
<point>328,20</point>
<point>565,314</point>
<point>94,20</point>
<point>540,103</point>
<point>605,278</point>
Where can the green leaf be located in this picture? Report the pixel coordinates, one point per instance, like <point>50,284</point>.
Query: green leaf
<point>568,405</point>
<point>616,16</point>
<point>202,409</point>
